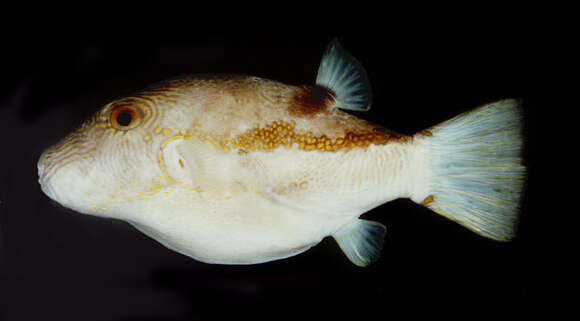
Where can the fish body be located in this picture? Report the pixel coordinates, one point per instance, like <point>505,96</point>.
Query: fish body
<point>241,170</point>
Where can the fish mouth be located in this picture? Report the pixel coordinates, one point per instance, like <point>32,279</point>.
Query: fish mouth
<point>45,186</point>
<point>46,189</point>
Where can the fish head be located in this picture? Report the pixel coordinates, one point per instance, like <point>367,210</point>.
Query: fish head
<point>113,160</point>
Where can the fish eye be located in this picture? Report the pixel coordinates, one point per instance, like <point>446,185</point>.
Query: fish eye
<point>125,117</point>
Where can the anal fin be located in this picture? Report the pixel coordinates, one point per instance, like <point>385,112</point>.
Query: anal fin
<point>361,241</point>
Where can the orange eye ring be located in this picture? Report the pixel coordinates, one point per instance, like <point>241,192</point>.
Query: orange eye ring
<point>125,117</point>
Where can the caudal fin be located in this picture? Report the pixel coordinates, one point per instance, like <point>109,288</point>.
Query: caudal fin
<point>473,169</point>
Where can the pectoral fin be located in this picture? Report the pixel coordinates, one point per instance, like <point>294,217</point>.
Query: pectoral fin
<point>361,241</point>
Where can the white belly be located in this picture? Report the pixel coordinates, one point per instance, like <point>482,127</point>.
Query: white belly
<point>257,207</point>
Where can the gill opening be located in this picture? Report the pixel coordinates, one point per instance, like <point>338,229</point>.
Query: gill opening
<point>161,160</point>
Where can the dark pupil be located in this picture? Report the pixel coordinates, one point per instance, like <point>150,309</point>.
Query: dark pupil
<point>124,118</point>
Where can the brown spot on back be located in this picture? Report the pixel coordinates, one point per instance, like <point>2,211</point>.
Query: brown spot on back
<point>309,100</point>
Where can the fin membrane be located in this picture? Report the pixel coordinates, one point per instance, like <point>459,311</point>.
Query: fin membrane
<point>361,241</point>
<point>476,175</point>
<point>345,77</point>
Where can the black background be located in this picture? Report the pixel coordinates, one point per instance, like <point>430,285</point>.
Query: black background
<point>426,64</point>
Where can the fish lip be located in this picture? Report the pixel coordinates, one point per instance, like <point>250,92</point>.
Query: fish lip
<point>47,190</point>
<point>40,165</point>
<point>42,181</point>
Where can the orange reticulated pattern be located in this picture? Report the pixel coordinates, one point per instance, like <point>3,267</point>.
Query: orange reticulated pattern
<point>284,134</point>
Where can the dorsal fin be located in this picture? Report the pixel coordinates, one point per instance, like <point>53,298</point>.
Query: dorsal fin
<point>345,77</point>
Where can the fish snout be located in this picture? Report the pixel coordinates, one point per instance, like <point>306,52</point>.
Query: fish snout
<point>41,165</point>
<point>42,175</point>
<point>64,178</point>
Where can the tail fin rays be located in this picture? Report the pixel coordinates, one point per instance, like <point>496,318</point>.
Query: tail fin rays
<point>475,171</point>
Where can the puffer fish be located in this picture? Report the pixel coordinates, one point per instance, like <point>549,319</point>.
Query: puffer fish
<point>233,169</point>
